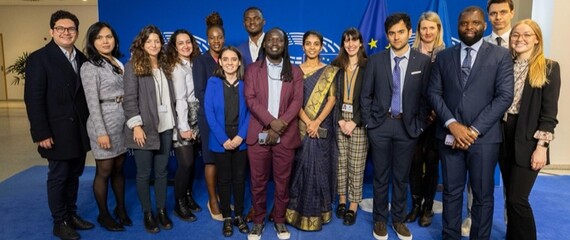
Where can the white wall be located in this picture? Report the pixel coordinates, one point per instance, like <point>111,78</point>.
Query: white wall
<point>25,28</point>
<point>556,40</point>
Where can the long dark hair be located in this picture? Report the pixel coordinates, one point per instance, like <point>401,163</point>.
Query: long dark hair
<point>92,54</point>
<point>287,71</point>
<point>342,60</point>
<point>141,59</point>
<point>171,53</point>
<point>219,72</point>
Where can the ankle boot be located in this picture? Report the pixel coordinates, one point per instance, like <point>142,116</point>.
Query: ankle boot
<point>163,219</point>
<point>150,224</point>
<point>191,203</point>
<point>416,207</point>
<point>183,211</point>
<point>426,213</point>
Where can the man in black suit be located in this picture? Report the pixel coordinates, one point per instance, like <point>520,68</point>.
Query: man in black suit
<point>471,87</point>
<point>394,110</point>
<point>57,111</point>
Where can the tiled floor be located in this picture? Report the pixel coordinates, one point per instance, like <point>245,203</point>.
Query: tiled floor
<point>18,152</point>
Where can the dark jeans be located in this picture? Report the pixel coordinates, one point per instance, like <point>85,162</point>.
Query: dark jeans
<point>62,185</point>
<point>145,160</point>
<point>230,167</point>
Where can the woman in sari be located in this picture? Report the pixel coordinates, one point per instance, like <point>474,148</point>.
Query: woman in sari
<point>314,177</point>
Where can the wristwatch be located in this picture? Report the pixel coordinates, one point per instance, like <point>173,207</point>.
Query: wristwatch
<point>544,144</point>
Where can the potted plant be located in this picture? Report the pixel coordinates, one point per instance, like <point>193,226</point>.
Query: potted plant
<point>19,69</point>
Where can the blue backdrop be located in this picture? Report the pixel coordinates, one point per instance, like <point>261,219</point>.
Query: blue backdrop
<point>330,18</point>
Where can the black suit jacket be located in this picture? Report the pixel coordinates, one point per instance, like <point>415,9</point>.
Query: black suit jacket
<point>55,102</point>
<point>376,91</point>
<point>356,98</point>
<point>202,69</point>
<point>538,110</point>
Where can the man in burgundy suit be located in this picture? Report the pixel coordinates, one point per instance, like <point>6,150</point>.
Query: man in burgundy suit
<point>274,95</point>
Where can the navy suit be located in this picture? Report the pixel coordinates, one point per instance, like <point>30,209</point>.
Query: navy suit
<point>57,109</point>
<point>202,69</point>
<point>392,140</point>
<point>246,55</point>
<point>481,103</point>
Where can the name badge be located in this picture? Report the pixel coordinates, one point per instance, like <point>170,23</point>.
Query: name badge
<point>347,107</point>
<point>162,109</point>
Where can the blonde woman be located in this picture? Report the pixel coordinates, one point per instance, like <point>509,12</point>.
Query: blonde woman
<point>529,125</point>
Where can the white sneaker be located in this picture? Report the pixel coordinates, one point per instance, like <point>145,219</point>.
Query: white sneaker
<point>282,232</point>
<point>255,233</point>
<point>466,227</point>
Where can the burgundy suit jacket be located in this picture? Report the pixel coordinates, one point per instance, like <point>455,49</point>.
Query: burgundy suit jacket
<point>256,96</point>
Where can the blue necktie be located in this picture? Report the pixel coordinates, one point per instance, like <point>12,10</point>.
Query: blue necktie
<point>466,66</point>
<point>395,103</point>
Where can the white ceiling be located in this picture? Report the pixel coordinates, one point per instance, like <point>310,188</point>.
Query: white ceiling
<point>48,2</point>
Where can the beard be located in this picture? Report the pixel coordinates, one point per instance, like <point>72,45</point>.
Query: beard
<point>471,40</point>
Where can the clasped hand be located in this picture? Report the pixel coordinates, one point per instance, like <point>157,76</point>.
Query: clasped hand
<point>232,144</point>
<point>464,136</point>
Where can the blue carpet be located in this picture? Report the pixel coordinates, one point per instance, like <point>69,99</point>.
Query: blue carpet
<point>25,214</point>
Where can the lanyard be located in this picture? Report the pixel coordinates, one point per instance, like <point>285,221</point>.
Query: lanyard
<point>348,81</point>
<point>159,83</point>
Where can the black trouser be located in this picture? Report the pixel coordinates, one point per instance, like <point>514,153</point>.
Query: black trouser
<point>424,183</point>
<point>230,167</point>
<point>519,182</point>
<point>62,186</point>
<point>146,160</point>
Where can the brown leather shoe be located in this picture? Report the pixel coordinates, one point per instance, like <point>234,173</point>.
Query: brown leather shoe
<point>402,230</point>
<point>380,232</point>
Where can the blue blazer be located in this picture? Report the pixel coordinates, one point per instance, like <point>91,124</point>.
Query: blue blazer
<point>215,114</point>
<point>244,50</point>
<point>486,95</point>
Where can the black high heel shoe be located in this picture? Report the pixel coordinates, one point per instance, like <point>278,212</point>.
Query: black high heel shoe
<point>107,222</point>
<point>122,217</point>
<point>340,210</point>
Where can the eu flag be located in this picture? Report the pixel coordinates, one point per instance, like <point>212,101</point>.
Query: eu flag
<point>440,7</point>
<point>372,27</point>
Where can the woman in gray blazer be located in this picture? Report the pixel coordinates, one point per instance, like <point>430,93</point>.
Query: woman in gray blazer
<point>102,78</point>
<point>149,110</point>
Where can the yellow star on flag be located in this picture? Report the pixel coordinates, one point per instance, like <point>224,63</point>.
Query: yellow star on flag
<point>372,43</point>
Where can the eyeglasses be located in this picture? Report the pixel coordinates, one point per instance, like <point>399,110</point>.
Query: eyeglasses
<point>525,36</point>
<point>60,29</point>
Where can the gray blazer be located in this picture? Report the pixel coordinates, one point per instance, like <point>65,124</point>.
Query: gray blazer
<point>140,103</point>
<point>106,117</point>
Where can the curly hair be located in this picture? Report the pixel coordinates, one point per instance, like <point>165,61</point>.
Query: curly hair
<point>214,20</point>
<point>141,59</point>
<point>172,57</point>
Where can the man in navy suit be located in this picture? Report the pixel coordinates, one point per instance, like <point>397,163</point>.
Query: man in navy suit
<point>57,111</point>
<point>253,22</point>
<point>471,87</point>
<point>394,110</point>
